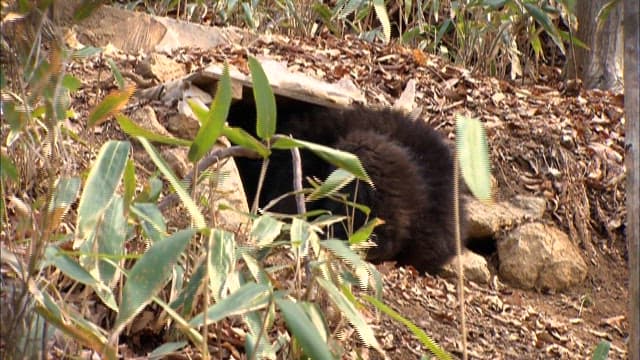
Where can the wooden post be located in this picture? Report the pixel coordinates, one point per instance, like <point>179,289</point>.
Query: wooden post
<point>632,142</point>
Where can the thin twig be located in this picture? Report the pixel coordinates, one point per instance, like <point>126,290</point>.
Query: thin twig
<point>297,180</point>
<point>300,206</point>
<point>263,173</point>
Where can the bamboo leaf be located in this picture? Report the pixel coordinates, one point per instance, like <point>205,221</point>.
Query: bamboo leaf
<point>339,158</point>
<point>210,131</point>
<point>247,298</point>
<point>541,18</point>
<point>383,17</point>
<point>473,156</point>
<point>64,196</point>
<point>335,182</point>
<point>222,260</point>
<point>240,137</point>
<point>301,326</point>
<point>7,168</point>
<point>417,332</point>
<point>111,104</point>
<point>265,229</point>
<point>265,101</point>
<point>100,188</point>
<point>348,309</point>
<point>149,275</point>
<point>132,129</point>
<point>186,199</point>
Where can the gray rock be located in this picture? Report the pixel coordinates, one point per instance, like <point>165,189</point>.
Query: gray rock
<point>487,220</point>
<point>540,256</point>
<point>474,267</point>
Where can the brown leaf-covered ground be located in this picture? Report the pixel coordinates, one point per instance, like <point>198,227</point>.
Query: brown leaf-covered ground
<point>566,149</point>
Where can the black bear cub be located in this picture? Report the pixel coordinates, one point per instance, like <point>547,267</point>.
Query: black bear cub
<point>410,164</point>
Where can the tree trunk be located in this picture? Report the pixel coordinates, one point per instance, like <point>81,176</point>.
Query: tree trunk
<point>601,65</point>
<point>632,161</point>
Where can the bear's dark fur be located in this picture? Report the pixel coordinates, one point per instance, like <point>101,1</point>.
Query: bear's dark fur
<point>409,162</point>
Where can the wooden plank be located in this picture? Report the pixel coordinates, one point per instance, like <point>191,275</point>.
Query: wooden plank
<point>632,140</point>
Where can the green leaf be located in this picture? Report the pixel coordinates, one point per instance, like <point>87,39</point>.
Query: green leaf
<point>317,318</point>
<point>181,323</point>
<point>240,137</point>
<point>247,298</point>
<point>411,34</point>
<point>132,129</point>
<point>7,169</point>
<point>340,249</point>
<point>222,260</point>
<point>101,185</point>
<point>265,230</point>
<point>110,236</point>
<point>301,326</point>
<point>376,277</point>
<point>85,9</point>
<point>408,7</point>
<point>165,350</point>
<point>86,52</point>
<point>544,20</point>
<point>256,322</point>
<point>64,196</point>
<point>248,15</point>
<point>363,270</point>
<point>3,79</point>
<point>116,73</point>
<point>111,104</point>
<point>151,220</point>
<point>339,158</point>
<point>536,44</point>
<point>602,351</point>
<point>151,190</point>
<point>335,182</point>
<point>186,199</point>
<point>265,101</point>
<point>362,234</point>
<point>348,309</point>
<point>75,327</point>
<point>383,17</point>
<point>71,83</point>
<point>473,156</point>
<point>442,30</point>
<point>256,269</point>
<point>324,13</point>
<point>188,296</point>
<point>73,270</point>
<point>149,275</point>
<point>210,130</point>
<point>573,39</point>
<point>129,183</point>
<point>301,235</point>
<point>199,110</point>
<point>417,332</point>
<point>349,8</point>
<point>494,4</point>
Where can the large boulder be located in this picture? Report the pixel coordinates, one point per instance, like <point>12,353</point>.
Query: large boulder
<point>539,256</point>
<point>488,220</point>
